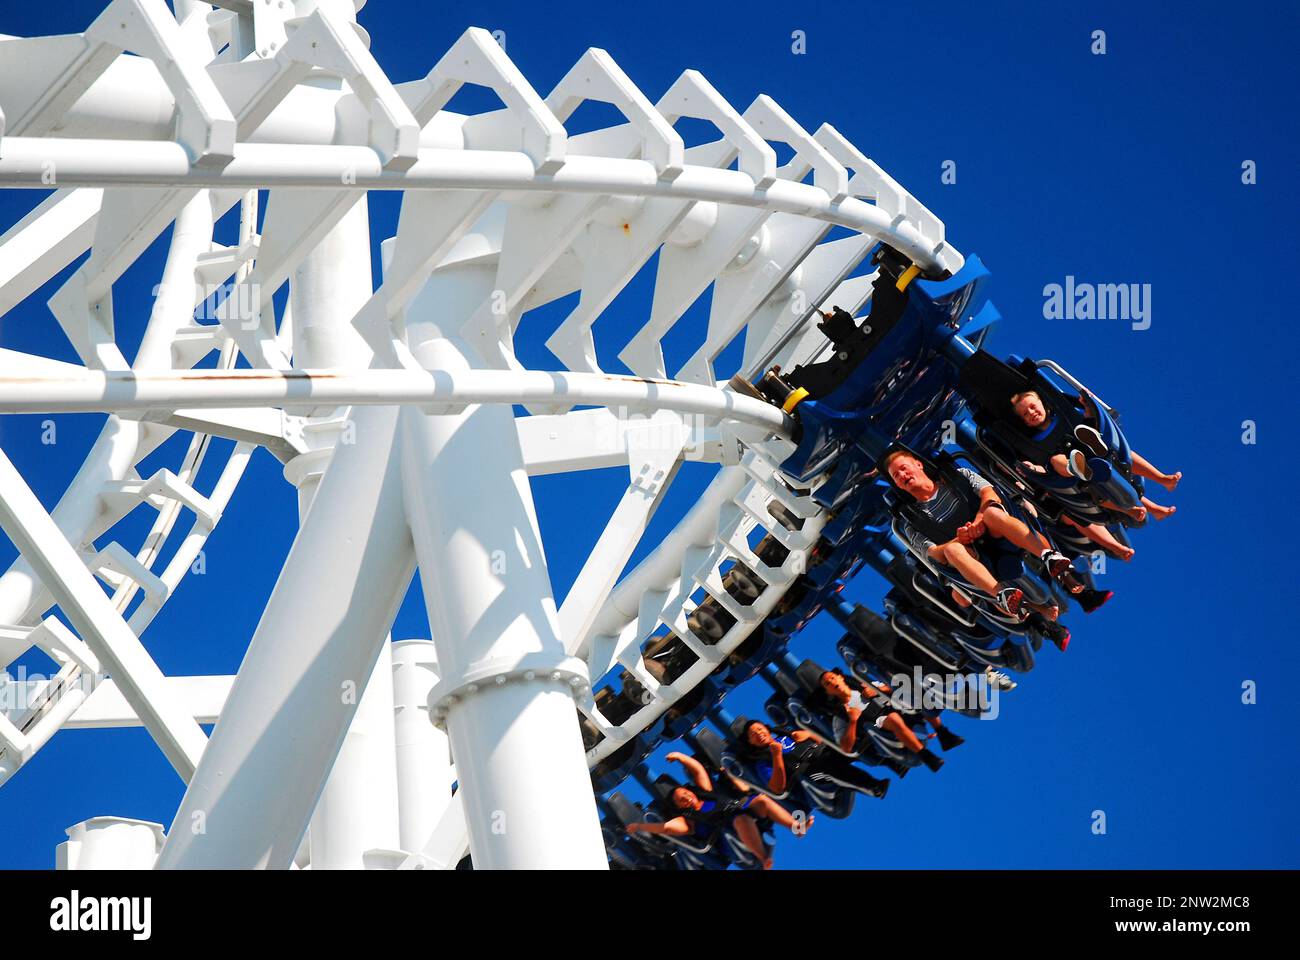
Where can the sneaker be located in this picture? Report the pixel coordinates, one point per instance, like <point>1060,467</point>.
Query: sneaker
<point>898,769</point>
<point>949,740</point>
<point>1090,438</point>
<point>1077,463</point>
<point>1058,633</point>
<point>1008,600</point>
<point>931,760</point>
<point>1062,571</point>
<point>998,679</point>
<point>1090,600</point>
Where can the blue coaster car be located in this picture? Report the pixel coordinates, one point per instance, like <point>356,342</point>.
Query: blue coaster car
<point>937,582</point>
<point>875,649</point>
<point>641,851</point>
<point>619,765</point>
<point>711,846</point>
<point>800,793</point>
<point>892,651</point>
<point>1004,442</point>
<point>885,377</point>
<point>810,708</point>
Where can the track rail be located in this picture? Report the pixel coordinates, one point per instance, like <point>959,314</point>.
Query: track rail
<point>507,195</point>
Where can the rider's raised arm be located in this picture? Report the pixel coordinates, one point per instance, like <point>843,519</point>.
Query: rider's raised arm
<point>694,769</point>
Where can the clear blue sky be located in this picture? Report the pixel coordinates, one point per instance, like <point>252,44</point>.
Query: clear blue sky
<point>1117,168</point>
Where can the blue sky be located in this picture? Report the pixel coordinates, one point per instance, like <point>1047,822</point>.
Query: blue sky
<point>1122,168</point>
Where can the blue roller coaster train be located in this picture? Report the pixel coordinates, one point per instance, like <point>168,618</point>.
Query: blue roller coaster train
<point>913,375</point>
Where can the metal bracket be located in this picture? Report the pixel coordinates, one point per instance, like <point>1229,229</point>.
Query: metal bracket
<point>502,670</point>
<point>478,59</point>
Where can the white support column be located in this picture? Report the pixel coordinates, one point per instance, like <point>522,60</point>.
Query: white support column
<point>357,810</point>
<point>331,285</point>
<point>424,773</point>
<point>318,639</point>
<point>110,843</point>
<point>507,688</point>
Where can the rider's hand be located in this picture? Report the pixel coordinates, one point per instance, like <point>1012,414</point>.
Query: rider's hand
<point>675,757</point>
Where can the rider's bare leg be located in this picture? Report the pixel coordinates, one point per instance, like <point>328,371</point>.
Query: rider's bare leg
<point>893,722</point>
<point>999,523</point>
<point>1137,513</point>
<point>1158,511</point>
<point>968,564</point>
<point>1144,468</point>
<point>1099,535</point>
<point>769,808</point>
<point>747,830</point>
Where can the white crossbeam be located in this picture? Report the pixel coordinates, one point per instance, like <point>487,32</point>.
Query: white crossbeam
<point>100,625</point>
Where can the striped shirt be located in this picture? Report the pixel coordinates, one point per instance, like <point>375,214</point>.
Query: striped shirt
<point>944,507</point>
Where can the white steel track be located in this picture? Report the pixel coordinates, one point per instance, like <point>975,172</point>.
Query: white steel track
<point>148,121</point>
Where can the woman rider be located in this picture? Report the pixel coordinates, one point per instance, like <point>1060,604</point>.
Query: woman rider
<point>785,755</point>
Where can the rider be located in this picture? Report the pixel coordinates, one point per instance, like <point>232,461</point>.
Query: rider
<point>1071,458</point>
<point>782,755</point>
<point>860,705</point>
<point>955,525</point>
<point>705,809</point>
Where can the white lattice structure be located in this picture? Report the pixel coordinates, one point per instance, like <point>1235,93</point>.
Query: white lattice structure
<point>391,411</point>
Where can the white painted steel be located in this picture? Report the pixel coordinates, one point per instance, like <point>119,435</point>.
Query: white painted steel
<point>110,843</point>
<point>506,688</point>
<point>105,163</point>
<point>198,389</point>
<point>260,778</point>
<point>424,773</point>
<point>390,410</point>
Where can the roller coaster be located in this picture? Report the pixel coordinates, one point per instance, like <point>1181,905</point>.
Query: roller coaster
<point>409,425</point>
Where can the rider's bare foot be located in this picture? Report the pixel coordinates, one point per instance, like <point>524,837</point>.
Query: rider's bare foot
<point>1162,513</point>
<point>1138,513</point>
<point>1125,553</point>
<point>1170,480</point>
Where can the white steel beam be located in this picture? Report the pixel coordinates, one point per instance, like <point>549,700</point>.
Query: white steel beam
<point>306,666</point>
<point>120,391</point>
<point>45,241</point>
<point>447,845</point>
<point>102,163</point>
<point>654,455</point>
<point>106,706</point>
<point>119,650</point>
